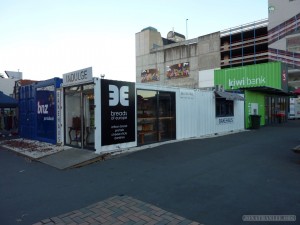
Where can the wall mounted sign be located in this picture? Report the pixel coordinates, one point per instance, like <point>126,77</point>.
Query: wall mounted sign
<point>117,112</point>
<point>78,77</point>
<point>46,123</point>
<point>178,70</point>
<point>268,75</point>
<point>58,117</point>
<point>224,120</point>
<point>150,75</point>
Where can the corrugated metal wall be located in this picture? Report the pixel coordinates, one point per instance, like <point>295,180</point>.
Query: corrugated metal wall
<point>28,109</point>
<point>195,112</point>
<point>27,112</point>
<point>195,116</point>
<point>258,75</point>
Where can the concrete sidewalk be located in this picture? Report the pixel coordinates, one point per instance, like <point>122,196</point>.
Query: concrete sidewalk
<point>71,158</point>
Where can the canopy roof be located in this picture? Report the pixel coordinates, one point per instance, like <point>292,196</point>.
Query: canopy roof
<point>229,96</point>
<point>7,102</point>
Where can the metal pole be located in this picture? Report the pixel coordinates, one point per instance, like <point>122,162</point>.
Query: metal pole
<point>186,27</point>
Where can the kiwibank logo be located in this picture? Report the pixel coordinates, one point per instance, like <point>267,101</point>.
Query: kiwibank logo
<point>245,81</point>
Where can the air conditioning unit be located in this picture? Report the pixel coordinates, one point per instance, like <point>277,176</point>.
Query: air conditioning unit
<point>219,87</point>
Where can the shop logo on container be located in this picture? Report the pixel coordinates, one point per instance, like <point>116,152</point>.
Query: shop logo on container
<point>117,96</point>
<point>284,76</point>
<point>42,109</point>
<point>245,81</point>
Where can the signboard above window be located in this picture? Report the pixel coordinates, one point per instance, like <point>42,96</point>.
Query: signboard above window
<point>78,77</point>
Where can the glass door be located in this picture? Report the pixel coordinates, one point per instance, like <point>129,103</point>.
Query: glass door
<point>73,134</point>
<point>146,116</point>
<point>80,116</point>
<point>89,116</point>
<point>156,119</point>
<point>166,116</point>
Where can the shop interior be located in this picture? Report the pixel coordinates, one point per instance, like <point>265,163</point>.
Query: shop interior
<point>156,116</point>
<point>276,109</point>
<point>80,116</point>
<point>8,121</point>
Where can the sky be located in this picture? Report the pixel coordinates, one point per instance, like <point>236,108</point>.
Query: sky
<point>45,39</point>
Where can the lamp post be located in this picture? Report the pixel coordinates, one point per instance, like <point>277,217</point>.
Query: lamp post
<point>186,28</point>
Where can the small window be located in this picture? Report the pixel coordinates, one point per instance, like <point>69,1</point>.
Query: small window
<point>224,108</point>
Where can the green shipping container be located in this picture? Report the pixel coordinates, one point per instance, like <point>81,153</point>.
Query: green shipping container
<point>254,80</point>
<point>270,75</point>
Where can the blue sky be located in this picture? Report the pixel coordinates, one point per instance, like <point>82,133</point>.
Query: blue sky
<point>45,39</point>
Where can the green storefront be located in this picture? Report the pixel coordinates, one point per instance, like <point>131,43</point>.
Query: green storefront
<point>265,87</point>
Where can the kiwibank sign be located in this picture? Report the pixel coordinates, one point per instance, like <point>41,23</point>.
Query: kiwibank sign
<point>272,75</point>
<point>247,82</point>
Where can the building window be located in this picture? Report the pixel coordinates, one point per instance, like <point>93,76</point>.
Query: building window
<point>224,108</point>
<point>156,116</point>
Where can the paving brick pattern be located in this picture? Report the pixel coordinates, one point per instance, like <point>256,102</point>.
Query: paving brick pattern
<point>118,210</point>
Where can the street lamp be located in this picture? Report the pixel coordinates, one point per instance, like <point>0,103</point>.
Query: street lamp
<point>186,27</point>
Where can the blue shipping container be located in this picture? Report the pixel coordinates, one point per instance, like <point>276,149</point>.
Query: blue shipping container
<point>37,105</point>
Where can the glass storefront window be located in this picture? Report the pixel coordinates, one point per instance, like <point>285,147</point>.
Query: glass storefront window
<point>155,116</point>
<point>276,109</point>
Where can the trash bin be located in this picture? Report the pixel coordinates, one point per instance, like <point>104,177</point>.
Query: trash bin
<point>255,121</point>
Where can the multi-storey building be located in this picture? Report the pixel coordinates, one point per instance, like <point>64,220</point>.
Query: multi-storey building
<point>174,61</point>
<point>284,36</point>
<point>244,45</point>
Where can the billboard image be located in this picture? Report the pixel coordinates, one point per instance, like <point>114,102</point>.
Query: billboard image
<point>117,112</point>
<point>178,70</point>
<point>150,75</point>
<point>46,123</point>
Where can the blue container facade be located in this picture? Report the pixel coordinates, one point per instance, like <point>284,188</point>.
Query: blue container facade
<point>26,112</point>
<point>37,110</point>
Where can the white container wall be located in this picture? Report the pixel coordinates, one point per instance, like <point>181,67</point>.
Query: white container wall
<point>195,116</point>
<point>196,113</point>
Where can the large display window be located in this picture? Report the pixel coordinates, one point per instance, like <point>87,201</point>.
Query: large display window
<point>276,109</point>
<point>80,116</point>
<point>156,117</point>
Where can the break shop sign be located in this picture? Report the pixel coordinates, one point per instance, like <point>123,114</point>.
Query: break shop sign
<point>117,112</point>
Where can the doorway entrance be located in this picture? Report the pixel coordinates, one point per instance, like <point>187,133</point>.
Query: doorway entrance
<point>80,116</point>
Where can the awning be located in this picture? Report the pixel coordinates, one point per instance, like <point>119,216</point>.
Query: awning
<point>7,102</point>
<point>230,96</point>
<point>269,90</point>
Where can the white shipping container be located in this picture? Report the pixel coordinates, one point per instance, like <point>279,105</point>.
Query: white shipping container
<point>294,108</point>
<point>196,113</point>
<point>196,116</point>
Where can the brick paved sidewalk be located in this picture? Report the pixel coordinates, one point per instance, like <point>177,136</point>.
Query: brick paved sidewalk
<point>118,210</point>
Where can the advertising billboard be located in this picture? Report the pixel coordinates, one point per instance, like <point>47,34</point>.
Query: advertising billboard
<point>178,70</point>
<point>117,112</point>
<point>150,75</point>
<point>46,122</point>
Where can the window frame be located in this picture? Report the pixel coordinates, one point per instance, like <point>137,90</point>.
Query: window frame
<point>224,108</point>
